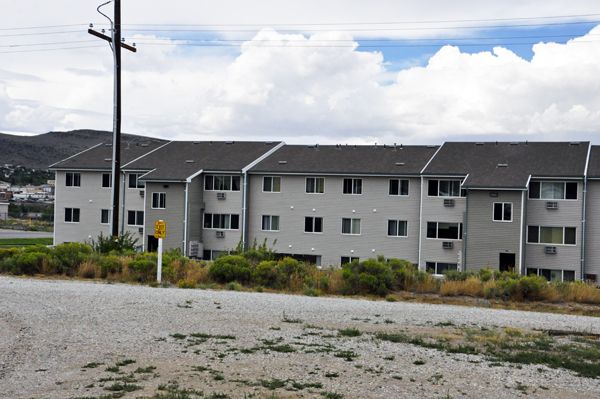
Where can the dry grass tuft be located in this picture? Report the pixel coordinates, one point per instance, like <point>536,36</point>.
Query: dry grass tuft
<point>582,293</point>
<point>471,286</point>
<point>88,269</point>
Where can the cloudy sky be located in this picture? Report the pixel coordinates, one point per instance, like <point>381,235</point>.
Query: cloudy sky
<point>327,71</point>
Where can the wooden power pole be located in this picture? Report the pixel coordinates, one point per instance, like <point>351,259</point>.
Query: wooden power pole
<point>116,45</point>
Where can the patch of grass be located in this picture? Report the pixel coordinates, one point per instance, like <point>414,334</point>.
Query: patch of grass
<point>218,377</point>
<point>332,375</point>
<point>92,365</point>
<point>288,320</point>
<point>126,362</point>
<point>418,362</point>
<point>22,242</point>
<point>389,358</point>
<point>123,387</point>
<point>331,395</point>
<point>143,370</point>
<point>113,369</point>
<point>444,324</point>
<point>391,298</point>
<point>178,336</point>
<point>273,384</point>
<point>347,355</point>
<point>349,332</point>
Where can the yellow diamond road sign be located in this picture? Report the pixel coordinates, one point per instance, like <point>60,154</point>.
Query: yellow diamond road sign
<point>160,229</point>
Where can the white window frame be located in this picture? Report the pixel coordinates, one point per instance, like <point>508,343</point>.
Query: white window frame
<point>549,243</point>
<point>109,214</point>
<point>315,185</point>
<point>270,222</point>
<point>350,258</point>
<point>164,200</point>
<point>212,215</point>
<point>399,188</point>
<point>221,177</point>
<point>137,214</point>
<point>73,179</point>
<point>313,224</point>
<point>437,231</point>
<point>512,208</point>
<point>435,268</point>
<point>353,180</point>
<point>397,228</point>
<point>109,180</point>
<point>137,181</point>
<point>540,182</point>
<point>562,272</point>
<point>352,232</point>
<point>460,189</point>
<point>272,184</point>
<point>72,212</point>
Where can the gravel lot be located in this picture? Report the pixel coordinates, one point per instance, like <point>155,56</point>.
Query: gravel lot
<point>50,329</point>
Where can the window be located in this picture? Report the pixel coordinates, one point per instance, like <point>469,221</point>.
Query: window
<point>72,215</point>
<point>105,216</point>
<point>397,228</point>
<point>221,221</point>
<point>73,179</point>
<point>502,212</point>
<point>134,181</point>
<point>352,186</point>
<point>440,267</point>
<point>106,180</point>
<point>221,183</point>
<point>445,188</point>
<point>348,259</point>
<point>135,218</point>
<point>398,187</point>
<point>552,190</point>
<point>446,231</point>
<point>313,224</point>
<point>315,185</point>
<point>271,184</point>
<point>350,226</point>
<point>270,223</point>
<point>159,200</point>
<point>553,275</point>
<point>551,235</point>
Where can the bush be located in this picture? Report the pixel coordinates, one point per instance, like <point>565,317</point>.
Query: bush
<point>230,268</point>
<point>106,244</point>
<point>268,274</point>
<point>485,275</point>
<point>70,256</point>
<point>290,267</point>
<point>110,265</point>
<point>370,276</point>
<point>234,286</point>
<point>26,263</point>
<point>144,268</point>
<point>187,284</point>
<point>8,253</point>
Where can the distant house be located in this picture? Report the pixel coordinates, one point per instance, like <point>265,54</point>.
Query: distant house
<point>3,211</point>
<point>527,207</point>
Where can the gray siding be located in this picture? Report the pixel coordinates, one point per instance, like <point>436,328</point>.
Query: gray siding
<point>195,209</point>
<point>592,233</point>
<point>133,202</point>
<point>90,198</point>
<point>374,207</point>
<point>231,205</point>
<point>568,214</point>
<point>435,211</point>
<point>487,238</point>
<point>172,214</point>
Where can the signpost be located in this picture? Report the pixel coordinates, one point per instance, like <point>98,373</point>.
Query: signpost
<point>160,232</point>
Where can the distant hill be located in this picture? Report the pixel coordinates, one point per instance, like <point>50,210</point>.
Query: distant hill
<point>45,149</point>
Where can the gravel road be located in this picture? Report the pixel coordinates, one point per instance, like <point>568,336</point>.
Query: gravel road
<point>50,329</point>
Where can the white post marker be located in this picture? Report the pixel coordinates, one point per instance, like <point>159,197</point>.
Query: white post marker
<point>160,232</point>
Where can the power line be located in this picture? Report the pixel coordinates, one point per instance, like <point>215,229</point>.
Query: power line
<point>44,27</point>
<point>42,33</point>
<point>50,49</point>
<point>47,44</point>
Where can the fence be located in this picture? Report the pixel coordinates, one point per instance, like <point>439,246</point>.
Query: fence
<point>27,221</point>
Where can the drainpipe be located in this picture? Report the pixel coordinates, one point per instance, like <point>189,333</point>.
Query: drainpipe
<point>420,222</point>
<point>185,219</point>
<point>583,221</point>
<point>123,205</point>
<point>464,258</point>
<point>521,233</point>
<point>244,209</point>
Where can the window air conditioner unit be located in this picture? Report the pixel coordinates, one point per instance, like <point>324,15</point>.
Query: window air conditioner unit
<point>220,234</point>
<point>552,205</point>
<point>221,196</point>
<point>448,202</point>
<point>141,193</point>
<point>141,230</point>
<point>447,244</point>
<point>550,250</point>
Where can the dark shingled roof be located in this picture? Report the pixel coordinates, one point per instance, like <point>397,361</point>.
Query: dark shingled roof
<point>481,162</point>
<point>345,159</point>
<point>100,156</point>
<point>594,166</point>
<point>171,162</point>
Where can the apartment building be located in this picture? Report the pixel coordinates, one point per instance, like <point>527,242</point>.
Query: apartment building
<point>460,206</point>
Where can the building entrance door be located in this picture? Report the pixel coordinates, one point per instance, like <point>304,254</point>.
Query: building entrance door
<point>152,244</point>
<point>507,262</point>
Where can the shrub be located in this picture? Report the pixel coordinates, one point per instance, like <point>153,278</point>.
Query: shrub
<point>230,268</point>
<point>311,291</point>
<point>390,298</point>
<point>144,268</point>
<point>485,275</point>
<point>70,256</point>
<point>107,244</point>
<point>26,263</point>
<point>267,273</point>
<point>39,248</point>
<point>110,265</point>
<point>369,276</point>
<point>290,267</point>
<point>234,286</point>
<point>187,284</point>
<point>8,253</point>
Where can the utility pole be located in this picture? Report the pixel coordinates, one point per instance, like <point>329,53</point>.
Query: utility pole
<point>116,44</point>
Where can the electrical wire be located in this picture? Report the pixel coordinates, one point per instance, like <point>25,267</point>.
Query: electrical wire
<point>47,44</point>
<point>52,49</point>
